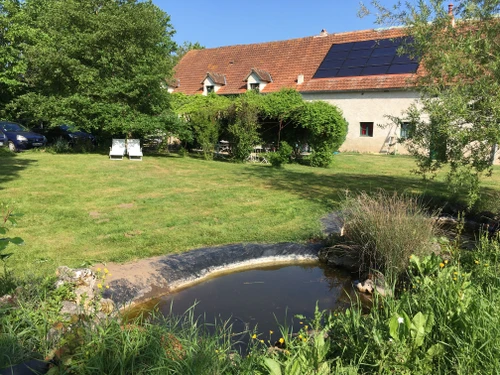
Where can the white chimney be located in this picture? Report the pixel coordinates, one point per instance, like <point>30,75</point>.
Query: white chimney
<point>300,79</point>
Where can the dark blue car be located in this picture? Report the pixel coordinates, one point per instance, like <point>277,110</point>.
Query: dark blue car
<point>3,139</point>
<point>19,138</point>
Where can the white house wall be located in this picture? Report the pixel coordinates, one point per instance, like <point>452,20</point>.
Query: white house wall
<point>369,106</point>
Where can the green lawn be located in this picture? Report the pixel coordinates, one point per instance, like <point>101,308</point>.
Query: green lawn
<point>81,208</point>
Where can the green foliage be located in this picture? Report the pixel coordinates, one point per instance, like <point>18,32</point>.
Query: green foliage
<point>181,50</point>
<point>327,128</point>
<point>13,66</point>
<point>282,156</point>
<point>456,122</point>
<point>100,66</point>
<point>386,229</point>
<point>243,125</point>
<point>202,114</point>
<point>7,280</point>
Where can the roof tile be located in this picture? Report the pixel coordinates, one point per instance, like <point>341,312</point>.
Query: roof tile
<point>284,61</point>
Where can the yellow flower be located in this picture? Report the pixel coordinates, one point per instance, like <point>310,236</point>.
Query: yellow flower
<point>99,286</point>
<point>107,286</point>
<point>306,327</point>
<point>411,256</point>
<point>486,265</point>
<point>455,273</point>
<point>254,336</point>
<point>476,261</point>
<point>454,279</point>
<point>304,339</point>
<point>441,265</point>
<point>271,332</point>
<point>262,341</point>
<point>98,270</point>
<point>281,340</point>
<point>301,322</point>
<point>217,350</point>
<point>446,261</point>
<point>300,336</point>
<point>106,270</point>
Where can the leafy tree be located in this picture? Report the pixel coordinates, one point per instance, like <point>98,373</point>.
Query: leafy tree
<point>327,128</point>
<point>12,65</point>
<point>243,125</point>
<point>202,114</point>
<point>282,107</point>
<point>185,48</point>
<point>98,64</point>
<point>457,121</point>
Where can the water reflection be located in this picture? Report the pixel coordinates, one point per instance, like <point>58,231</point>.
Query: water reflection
<point>261,298</point>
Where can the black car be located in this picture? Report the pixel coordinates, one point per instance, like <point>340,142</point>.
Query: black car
<point>69,133</point>
<point>19,138</point>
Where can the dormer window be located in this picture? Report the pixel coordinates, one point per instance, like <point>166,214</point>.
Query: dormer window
<point>257,79</point>
<point>213,82</point>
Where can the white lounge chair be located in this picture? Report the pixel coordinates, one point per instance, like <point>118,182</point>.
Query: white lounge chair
<point>117,149</point>
<point>134,149</point>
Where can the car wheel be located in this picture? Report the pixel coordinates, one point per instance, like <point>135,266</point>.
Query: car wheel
<point>12,147</point>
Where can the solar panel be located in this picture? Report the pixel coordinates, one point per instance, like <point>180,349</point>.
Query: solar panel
<point>365,58</point>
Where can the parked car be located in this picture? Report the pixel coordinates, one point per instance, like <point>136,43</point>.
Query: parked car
<point>19,138</point>
<point>3,140</point>
<point>69,133</point>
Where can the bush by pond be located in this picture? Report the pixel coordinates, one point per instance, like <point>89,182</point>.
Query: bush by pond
<point>385,229</point>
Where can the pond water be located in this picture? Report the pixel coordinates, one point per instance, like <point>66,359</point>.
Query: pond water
<point>261,298</point>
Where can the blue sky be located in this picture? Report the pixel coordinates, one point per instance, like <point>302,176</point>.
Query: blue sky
<point>225,22</point>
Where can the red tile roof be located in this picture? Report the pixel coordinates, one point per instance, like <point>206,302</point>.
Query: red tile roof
<point>284,61</point>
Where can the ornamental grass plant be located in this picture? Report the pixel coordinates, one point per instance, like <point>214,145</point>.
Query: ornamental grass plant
<point>385,229</point>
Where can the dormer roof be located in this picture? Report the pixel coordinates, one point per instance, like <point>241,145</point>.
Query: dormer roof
<point>261,74</point>
<point>217,78</point>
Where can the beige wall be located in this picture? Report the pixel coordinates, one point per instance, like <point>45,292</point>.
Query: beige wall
<point>360,107</point>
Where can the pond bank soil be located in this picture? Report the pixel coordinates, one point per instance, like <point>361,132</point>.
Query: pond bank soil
<point>144,279</point>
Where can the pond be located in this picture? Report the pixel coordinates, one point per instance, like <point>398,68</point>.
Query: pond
<point>263,298</point>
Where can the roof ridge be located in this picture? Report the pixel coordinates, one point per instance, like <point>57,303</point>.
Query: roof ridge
<point>329,36</point>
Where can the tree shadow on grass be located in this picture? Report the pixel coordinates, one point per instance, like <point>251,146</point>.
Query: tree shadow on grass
<point>11,165</point>
<point>331,189</point>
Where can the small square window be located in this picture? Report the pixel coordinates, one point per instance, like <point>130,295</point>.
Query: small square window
<point>210,88</point>
<point>255,86</point>
<point>405,130</point>
<point>366,129</point>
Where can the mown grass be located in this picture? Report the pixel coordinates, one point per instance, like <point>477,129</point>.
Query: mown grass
<point>85,208</point>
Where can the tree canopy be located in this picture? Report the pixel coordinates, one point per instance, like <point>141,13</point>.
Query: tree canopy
<point>457,119</point>
<point>97,64</point>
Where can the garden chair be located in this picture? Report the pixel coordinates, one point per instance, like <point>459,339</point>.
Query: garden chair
<point>134,149</point>
<point>117,149</point>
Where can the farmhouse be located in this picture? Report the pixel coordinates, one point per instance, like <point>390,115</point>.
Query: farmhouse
<point>360,72</point>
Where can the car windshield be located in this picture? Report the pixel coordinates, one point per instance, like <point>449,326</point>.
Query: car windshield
<point>11,127</point>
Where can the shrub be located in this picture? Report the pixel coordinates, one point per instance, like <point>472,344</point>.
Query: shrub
<point>282,156</point>
<point>386,229</point>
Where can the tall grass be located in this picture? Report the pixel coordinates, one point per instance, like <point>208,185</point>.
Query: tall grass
<point>385,229</point>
